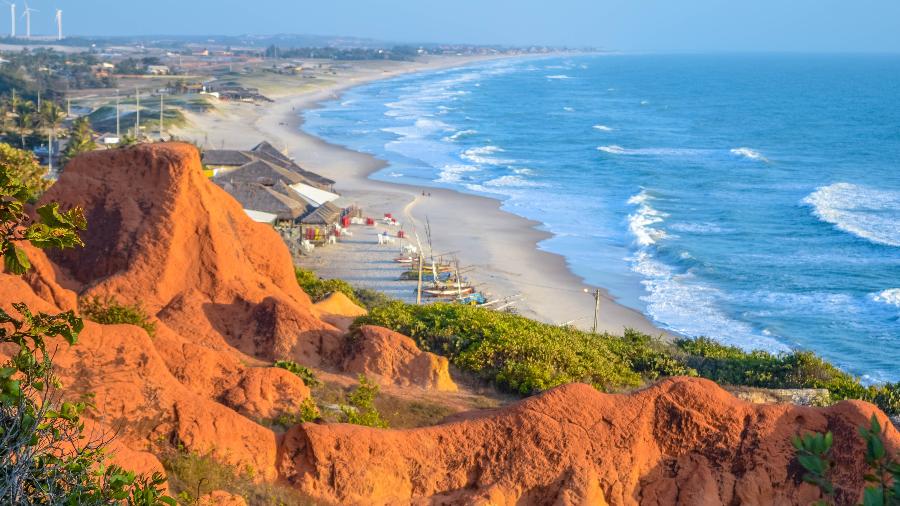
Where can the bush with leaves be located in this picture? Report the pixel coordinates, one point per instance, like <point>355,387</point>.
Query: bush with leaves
<point>523,355</point>
<point>44,458</point>
<point>360,408</point>
<point>800,369</point>
<point>303,372</point>
<point>318,288</point>
<point>308,412</point>
<point>24,167</point>
<point>882,480</point>
<point>81,139</point>
<point>108,311</point>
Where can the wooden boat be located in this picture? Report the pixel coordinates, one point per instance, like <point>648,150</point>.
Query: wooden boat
<point>449,291</point>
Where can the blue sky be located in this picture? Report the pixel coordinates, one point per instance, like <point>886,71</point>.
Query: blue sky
<point>628,25</point>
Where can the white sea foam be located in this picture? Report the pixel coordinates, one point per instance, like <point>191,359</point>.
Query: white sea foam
<point>525,171</point>
<point>603,128</point>
<point>868,213</point>
<point>559,76</point>
<point>481,155</point>
<point>749,153</point>
<point>696,228</point>
<point>396,174</point>
<point>891,297</point>
<point>642,223</point>
<point>513,181</point>
<point>679,301</point>
<point>461,134</point>
<point>645,102</point>
<point>453,173</point>
<point>569,109</point>
<point>682,303</point>
<point>614,149</point>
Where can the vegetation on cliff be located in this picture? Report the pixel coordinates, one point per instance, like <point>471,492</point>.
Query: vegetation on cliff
<point>814,454</point>
<point>527,356</point>
<point>108,311</point>
<point>46,457</point>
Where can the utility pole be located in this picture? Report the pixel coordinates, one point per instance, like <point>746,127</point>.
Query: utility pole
<point>39,100</point>
<point>161,108</point>
<point>50,152</point>
<point>419,285</point>
<point>596,293</point>
<point>68,107</point>
<point>137,118</point>
<point>118,136</point>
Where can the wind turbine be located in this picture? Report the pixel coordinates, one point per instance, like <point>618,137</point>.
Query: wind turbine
<point>12,18</point>
<point>27,16</point>
<point>58,24</point>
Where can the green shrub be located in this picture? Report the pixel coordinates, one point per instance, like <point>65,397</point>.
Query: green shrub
<point>361,409</point>
<point>308,377</point>
<point>308,412</point>
<point>815,455</point>
<point>109,311</point>
<point>318,288</point>
<point>887,397</point>
<point>523,355</point>
<point>192,475</point>
<point>371,299</point>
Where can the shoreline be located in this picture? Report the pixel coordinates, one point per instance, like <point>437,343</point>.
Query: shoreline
<point>502,247</point>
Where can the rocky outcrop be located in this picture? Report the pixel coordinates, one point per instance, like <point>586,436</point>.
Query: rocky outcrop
<point>221,498</point>
<point>223,291</point>
<point>161,235</point>
<point>221,286</point>
<point>682,441</point>
<point>338,310</point>
<point>393,358</point>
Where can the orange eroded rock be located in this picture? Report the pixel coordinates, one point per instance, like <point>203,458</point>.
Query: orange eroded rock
<point>160,234</point>
<point>339,310</point>
<point>394,358</point>
<point>682,441</point>
<point>221,498</point>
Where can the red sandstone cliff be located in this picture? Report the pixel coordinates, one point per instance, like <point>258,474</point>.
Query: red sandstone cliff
<point>223,290</point>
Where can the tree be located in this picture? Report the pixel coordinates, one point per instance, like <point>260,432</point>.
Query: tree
<point>81,139</point>
<point>23,166</point>
<point>43,456</point>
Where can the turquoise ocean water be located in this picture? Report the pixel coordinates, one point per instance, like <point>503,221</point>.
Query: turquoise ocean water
<point>754,199</point>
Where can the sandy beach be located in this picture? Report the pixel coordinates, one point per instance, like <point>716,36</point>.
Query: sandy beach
<point>500,247</point>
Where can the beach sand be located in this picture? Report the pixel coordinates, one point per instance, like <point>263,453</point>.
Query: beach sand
<point>502,248</point>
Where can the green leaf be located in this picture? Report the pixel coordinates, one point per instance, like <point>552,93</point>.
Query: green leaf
<point>811,463</point>
<point>15,260</point>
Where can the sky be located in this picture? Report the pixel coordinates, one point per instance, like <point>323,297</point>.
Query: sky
<point>624,25</point>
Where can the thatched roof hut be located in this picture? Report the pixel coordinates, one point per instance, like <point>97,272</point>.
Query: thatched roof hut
<point>258,197</point>
<point>326,214</point>
<point>262,172</point>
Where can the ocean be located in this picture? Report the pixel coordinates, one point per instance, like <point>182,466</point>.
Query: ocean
<point>754,199</point>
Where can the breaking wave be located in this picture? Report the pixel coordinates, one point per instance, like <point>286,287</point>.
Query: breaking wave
<point>603,128</point>
<point>867,213</point>
<point>749,154</point>
<point>890,297</point>
<point>481,155</point>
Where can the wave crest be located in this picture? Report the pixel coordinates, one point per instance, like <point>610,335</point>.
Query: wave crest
<point>749,154</point>
<point>865,212</point>
<point>891,297</point>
